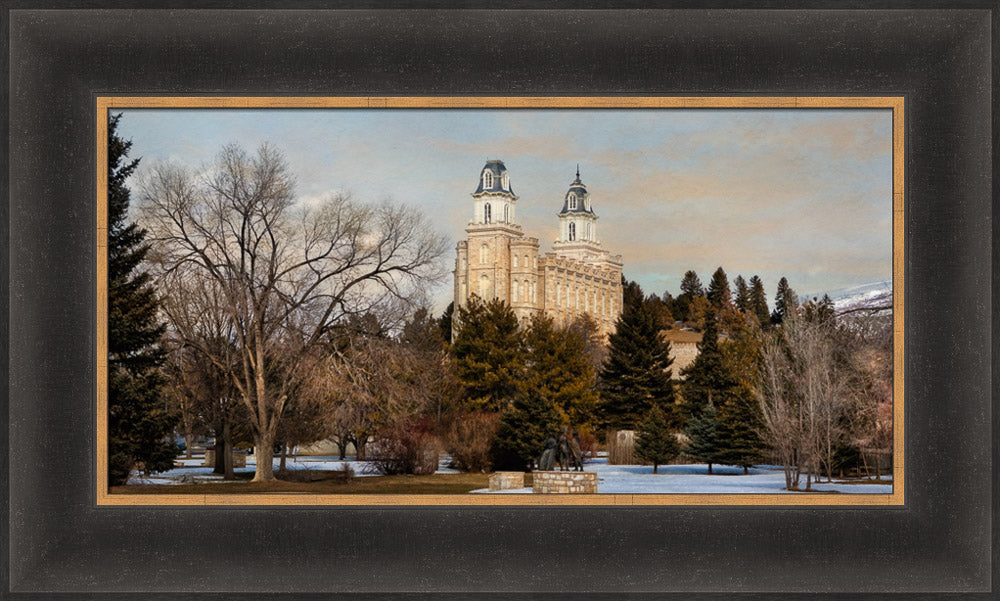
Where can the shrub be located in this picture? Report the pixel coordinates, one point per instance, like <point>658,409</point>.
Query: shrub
<point>469,438</point>
<point>406,447</point>
<point>589,444</point>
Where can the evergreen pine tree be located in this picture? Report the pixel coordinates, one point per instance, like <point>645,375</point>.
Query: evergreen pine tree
<point>637,373</point>
<point>691,285</point>
<point>656,441</point>
<point>718,290</point>
<point>557,366</point>
<point>444,323</point>
<point>523,428</point>
<point>740,420</point>
<point>819,310</point>
<point>706,379</point>
<point>742,300</point>
<point>785,302</point>
<point>139,423</point>
<point>690,289</point>
<point>758,302</point>
<point>703,437</point>
<point>489,354</point>
<point>740,425</point>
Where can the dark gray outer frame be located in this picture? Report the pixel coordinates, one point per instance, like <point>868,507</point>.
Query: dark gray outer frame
<point>939,543</point>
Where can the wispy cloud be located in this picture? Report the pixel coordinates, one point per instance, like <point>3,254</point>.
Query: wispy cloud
<point>800,193</point>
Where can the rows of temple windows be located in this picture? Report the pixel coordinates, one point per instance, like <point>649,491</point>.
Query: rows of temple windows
<point>524,291</point>
<point>582,300</point>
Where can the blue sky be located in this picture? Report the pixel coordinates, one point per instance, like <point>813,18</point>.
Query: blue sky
<point>800,193</point>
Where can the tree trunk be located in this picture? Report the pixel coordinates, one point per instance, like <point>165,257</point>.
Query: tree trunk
<point>359,447</point>
<point>220,455</point>
<point>746,470</point>
<point>709,468</point>
<point>342,446</point>
<point>228,455</point>
<point>284,456</point>
<point>187,444</point>
<point>654,468</point>
<point>264,450</point>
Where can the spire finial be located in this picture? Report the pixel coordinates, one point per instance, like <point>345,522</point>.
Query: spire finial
<point>578,171</point>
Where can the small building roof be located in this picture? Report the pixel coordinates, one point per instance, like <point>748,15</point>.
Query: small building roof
<point>675,335</point>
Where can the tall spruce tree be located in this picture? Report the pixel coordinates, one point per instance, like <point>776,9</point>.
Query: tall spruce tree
<point>740,426</point>
<point>524,425</point>
<point>785,302</point>
<point>706,380</point>
<point>656,441</point>
<point>718,290</point>
<point>691,285</point>
<point>637,374</point>
<point>558,367</point>
<point>444,323</point>
<point>741,423</point>
<point>703,437</point>
<point>758,302</point>
<point>489,354</point>
<point>691,289</point>
<point>742,299</point>
<point>139,423</point>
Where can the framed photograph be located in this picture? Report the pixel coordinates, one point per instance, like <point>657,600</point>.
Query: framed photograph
<point>811,186</point>
<point>865,132</point>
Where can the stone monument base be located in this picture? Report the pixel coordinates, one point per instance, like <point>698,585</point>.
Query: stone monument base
<point>506,480</point>
<point>561,483</point>
<point>239,458</point>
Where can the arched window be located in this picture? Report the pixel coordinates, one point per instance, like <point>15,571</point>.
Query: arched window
<point>515,260</point>
<point>506,214</point>
<point>487,179</point>
<point>572,201</point>
<point>587,237</point>
<point>505,182</point>
<point>484,254</point>
<point>517,292</point>
<point>572,232</point>
<point>484,286</point>
<point>533,289</point>
<point>487,213</point>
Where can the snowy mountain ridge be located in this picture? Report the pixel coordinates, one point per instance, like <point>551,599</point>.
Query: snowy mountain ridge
<point>875,294</point>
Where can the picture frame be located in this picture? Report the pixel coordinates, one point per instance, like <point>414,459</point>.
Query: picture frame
<point>61,540</point>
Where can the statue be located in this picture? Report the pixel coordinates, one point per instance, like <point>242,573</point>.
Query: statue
<point>564,453</point>
<point>574,447</point>
<point>548,455</point>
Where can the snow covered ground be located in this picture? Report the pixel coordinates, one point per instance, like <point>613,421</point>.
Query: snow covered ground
<point>637,479</point>
<point>620,479</point>
<point>194,472</point>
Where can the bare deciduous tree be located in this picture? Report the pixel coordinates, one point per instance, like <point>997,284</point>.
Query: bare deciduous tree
<point>287,271</point>
<point>780,409</point>
<point>202,357</point>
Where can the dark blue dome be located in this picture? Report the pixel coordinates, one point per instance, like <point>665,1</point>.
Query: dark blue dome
<point>579,190</point>
<point>498,171</point>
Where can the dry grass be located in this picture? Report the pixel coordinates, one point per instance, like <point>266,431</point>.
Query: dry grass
<point>325,483</point>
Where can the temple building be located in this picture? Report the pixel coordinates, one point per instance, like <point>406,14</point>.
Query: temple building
<point>496,260</point>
